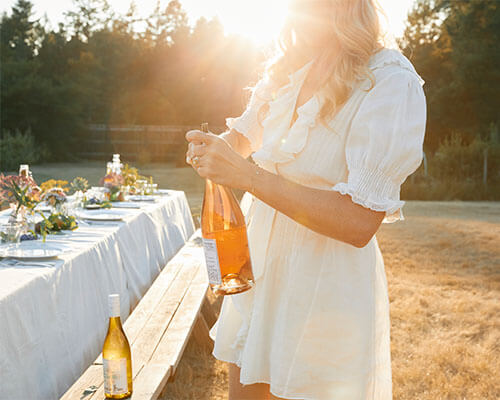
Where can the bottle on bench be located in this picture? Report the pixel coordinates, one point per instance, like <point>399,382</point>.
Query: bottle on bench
<point>116,355</point>
<point>225,241</point>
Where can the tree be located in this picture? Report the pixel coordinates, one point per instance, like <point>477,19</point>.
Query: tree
<point>454,46</point>
<point>89,16</point>
<point>20,35</point>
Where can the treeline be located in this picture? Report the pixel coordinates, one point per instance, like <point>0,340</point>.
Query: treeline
<point>455,47</point>
<point>106,68</point>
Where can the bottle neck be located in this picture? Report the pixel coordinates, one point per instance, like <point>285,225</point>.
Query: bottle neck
<point>115,322</point>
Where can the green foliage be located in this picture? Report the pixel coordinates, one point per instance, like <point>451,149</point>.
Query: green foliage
<point>19,148</point>
<point>454,46</point>
<point>459,160</point>
<point>455,171</point>
<point>434,189</point>
<point>101,67</point>
<point>54,223</point>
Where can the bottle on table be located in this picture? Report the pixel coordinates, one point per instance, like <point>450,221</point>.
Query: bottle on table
<point>116,355</point>
<point>24,170</point>
<point>225,240</point>
<point>117,164</point>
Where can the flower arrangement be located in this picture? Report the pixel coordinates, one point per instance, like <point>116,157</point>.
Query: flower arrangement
<point>113,182</point>
<point>21,192</point>
<point>54,223</point>
<point>130,175</point>
<point>93,200</point>
<point>79,184</point>
<point>55,197</point>
<point>54,183</point>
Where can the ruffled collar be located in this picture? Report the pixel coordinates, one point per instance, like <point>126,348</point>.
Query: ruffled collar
<point>281,142</point>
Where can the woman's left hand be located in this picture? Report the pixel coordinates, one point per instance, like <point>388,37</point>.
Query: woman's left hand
<point>217,160</point>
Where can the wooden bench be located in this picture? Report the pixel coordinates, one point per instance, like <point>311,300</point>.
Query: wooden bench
<point>159,327</point>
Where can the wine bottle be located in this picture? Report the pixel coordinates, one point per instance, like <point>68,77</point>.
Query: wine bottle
<point>116,355</point>
<point>225,240</point>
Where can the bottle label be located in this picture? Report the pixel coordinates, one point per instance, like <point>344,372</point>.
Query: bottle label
<point>115,376</point>
<point>212,261</point>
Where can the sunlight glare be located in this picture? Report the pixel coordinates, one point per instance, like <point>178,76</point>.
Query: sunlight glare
<point>258,20</point>
<point>261,20</point>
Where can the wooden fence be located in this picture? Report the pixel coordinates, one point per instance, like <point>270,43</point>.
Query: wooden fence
<point>143,143</point>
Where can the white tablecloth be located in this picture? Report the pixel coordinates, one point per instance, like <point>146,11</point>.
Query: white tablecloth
<point>53,319</point>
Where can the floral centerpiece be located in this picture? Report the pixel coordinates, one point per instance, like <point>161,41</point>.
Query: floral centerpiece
<point>130,175</point>
<point>54,183</point>
<point>55,222</point>
<point>21,193</point>
<point>113,183</point>
<point>55,197</point>
<point>79,184</point>
<point>93,199</point>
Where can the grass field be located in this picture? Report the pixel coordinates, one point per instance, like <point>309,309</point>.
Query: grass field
<point>443,270</point>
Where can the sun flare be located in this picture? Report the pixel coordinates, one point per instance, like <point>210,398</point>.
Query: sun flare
<point>258,20</point>
<point>261,20</point>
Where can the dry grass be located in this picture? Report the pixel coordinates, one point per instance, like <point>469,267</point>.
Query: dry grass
<point>443,269</point>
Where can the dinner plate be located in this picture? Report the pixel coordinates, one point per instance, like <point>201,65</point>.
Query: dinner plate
<point>30,250</point>
<point>102,217</point>
<point>93,206</point>
<point>141,197</point>
<point>164,192</point>
<point>125,204</point>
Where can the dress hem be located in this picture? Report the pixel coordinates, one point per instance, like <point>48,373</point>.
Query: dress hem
<point>251,382</point>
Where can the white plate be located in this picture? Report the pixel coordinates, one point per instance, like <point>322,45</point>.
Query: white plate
<point>93,207</point>
<point>102,217</point>
<point>25,251</point>
<point>125,204</point>
<point>140,197</point>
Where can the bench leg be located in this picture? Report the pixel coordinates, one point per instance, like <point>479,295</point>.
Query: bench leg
<point>200,332</point>
<point>208,312</point>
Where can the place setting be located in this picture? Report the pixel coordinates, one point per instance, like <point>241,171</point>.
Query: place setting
<point>31,253</point>
<point>58,207</point>
<point>41,220</point>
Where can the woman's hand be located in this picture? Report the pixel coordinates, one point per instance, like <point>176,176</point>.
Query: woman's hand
<point>213,158</point>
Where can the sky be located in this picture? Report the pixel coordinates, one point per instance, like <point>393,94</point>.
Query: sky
<point>237,16</point>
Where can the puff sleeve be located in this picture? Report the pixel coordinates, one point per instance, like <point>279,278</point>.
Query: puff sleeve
<point>385,143</point>
<point>248,124</point>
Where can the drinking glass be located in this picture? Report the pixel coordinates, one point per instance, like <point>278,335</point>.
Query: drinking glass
<point>141,186</point>
<point>11,232</point>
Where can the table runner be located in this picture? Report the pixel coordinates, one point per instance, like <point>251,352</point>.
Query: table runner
<point>53,319</point>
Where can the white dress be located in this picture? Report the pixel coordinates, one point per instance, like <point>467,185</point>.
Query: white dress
<point>316,324</point>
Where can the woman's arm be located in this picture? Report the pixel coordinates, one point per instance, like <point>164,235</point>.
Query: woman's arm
<point>324,211</point>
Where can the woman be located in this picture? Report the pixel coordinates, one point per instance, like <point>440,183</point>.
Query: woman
<point>335,127</point>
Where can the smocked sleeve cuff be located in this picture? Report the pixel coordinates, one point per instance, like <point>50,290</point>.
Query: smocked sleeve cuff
<point>374,190</point>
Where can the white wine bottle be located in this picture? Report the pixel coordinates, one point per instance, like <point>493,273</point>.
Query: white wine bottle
<point>225,240</point>
<point>116,355</point>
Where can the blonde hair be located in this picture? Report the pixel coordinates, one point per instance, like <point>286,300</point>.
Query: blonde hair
<point>356,28</point>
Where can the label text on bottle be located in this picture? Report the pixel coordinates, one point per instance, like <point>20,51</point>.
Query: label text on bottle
<point>212,261</point>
